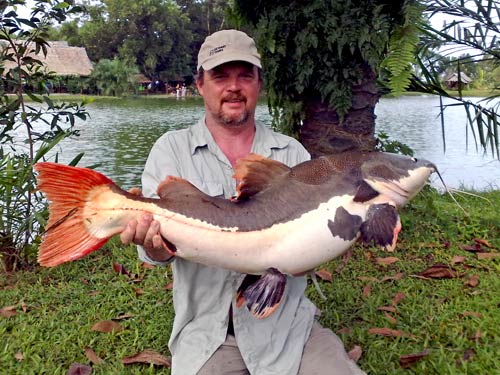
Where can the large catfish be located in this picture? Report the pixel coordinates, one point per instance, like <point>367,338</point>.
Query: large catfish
<point>282,220</point>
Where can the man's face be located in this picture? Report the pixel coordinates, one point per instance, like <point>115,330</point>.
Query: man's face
<point>230,92</point>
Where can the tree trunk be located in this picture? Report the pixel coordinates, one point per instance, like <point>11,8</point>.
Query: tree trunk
<point>324,132</point>
<point>8,253</point>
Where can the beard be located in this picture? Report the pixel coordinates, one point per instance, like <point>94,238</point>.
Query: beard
<point>232,120</point>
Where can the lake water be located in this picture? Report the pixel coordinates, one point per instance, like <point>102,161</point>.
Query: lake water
<point>120,133</point>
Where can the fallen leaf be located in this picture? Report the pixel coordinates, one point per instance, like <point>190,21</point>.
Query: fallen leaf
<point>94,293</point>
<point>367,290</point>
<point>386,261</point>
<point>8,311</point>
<point>390,318</point>
<point>472,249</point>
<point>324,275</point>
<point>355,353</point>
<point>107,326</point>
<point>169,286</point>
<point>120,268</point>
<point>487,256</point>
<point>138,292</point>
<point>344,330</point>
<point>477,336</point>
<point>124,316</point>
<point>468,356</point>
<point>472,281</point>
<point>92,356</point>
<point>388,332</point>
<point>147,265</point>
<point>480,241</point>
<point>398,297</point>
<point>388,308</point>
<point>457,259</point>
<point>344,260</point>
<point>472,313</point>
<point>430,245</point>
<point>368,278</point>
<point>147,356</point>
<point>409,359</point>
<point>79,369</point>
<point>24,307</point>
<point>368,255</point>
<point>439,271</point>
<point>396,277</point>
<point>19,355</point>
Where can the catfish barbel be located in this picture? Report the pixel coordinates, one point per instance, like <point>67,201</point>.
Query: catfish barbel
<point>282,220</point>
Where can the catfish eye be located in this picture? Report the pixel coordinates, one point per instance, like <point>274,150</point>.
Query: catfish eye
<point>414,159</point>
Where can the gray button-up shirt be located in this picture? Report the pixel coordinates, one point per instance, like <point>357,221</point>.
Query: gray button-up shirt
<point>202,294</point>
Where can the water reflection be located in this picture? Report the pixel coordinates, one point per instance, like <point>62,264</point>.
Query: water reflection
<point>415,121</point>
<point>120,133</point>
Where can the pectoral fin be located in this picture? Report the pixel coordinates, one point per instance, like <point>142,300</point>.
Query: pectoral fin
<point>263,294</point>
<point>381,226</point>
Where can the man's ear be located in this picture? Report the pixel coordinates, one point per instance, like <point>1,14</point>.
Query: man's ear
<point>199,85</point>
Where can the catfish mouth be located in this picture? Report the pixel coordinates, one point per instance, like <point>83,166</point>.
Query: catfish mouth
<point>391,189</point>
<point>395,188</point>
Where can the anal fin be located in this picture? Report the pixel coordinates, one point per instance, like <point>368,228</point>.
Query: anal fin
<point>262,295</point>
<point>381,226</point>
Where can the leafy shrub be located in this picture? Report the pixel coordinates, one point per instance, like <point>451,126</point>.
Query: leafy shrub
<point>30,124</point>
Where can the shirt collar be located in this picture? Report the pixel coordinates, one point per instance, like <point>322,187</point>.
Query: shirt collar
<point>264,142</point>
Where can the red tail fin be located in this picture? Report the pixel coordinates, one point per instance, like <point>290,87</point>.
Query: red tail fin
<point>67,188</point>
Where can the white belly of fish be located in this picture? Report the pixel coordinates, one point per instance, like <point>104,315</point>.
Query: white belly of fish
<point>292,247</point>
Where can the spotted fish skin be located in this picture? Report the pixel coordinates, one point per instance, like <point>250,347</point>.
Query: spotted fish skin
<point>282,220</point>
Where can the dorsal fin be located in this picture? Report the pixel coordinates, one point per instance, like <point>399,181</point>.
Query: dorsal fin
<point>254,173</point>
<point>173,186</point>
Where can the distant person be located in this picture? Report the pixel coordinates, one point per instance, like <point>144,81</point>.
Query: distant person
<point>210,334</point>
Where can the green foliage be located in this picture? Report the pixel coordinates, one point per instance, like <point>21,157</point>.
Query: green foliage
<point>28,130</point>
<point>386,144</point>
<point>114,77</point>
<point>402,45</point>
<point>152,34</point>
<point>317,51</point>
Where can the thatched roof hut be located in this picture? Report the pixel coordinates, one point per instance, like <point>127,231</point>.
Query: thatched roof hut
<point>141,78</point>
<point>64,60</point>
<point>452,80</point>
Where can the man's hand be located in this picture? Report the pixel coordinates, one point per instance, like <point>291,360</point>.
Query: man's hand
<point>146,232</point>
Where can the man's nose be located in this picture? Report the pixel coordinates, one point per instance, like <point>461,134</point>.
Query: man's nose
<point>234,84</point>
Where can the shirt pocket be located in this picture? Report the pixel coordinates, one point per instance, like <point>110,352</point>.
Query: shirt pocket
<point>214,189</point>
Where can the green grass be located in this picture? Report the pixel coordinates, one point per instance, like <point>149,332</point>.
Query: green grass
<point>442,316</point>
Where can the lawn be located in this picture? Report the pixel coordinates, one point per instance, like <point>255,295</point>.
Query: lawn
<point>431,307</point>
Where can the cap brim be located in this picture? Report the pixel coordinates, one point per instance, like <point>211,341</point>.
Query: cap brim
<point>229,57</point>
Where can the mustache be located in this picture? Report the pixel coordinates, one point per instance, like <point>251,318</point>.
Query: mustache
<point>230,97</point>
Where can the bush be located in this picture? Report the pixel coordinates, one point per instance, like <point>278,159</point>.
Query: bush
<point>29,129</point>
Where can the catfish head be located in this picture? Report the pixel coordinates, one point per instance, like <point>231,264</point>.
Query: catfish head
<point>396,177</point>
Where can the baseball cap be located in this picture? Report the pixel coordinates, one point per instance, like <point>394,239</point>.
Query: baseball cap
<point>225,46</point>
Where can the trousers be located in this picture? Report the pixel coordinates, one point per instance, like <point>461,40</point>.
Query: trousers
<point>324,354</point>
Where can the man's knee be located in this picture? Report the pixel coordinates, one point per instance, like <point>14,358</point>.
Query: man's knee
<point>324,353</point>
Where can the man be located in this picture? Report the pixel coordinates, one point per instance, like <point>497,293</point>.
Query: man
<point>210,334</point>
